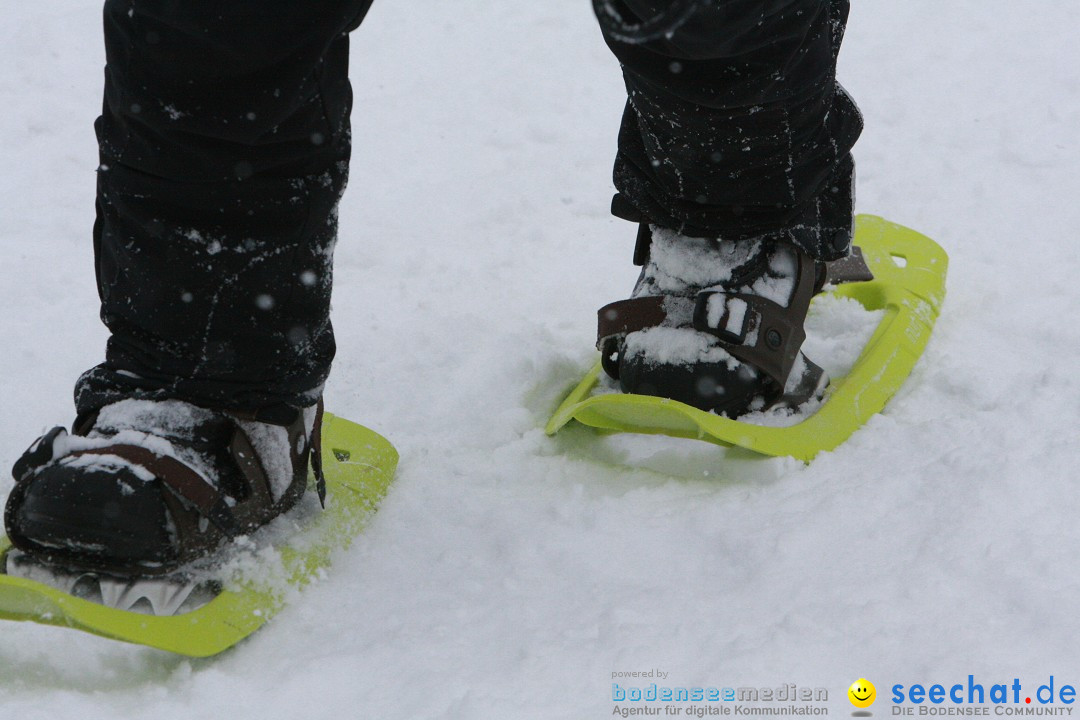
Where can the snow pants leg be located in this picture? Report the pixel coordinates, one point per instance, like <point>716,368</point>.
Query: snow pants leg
<point>224,145</point>
<point>735,125</point>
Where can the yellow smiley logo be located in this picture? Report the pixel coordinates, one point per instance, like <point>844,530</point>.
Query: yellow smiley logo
<point>862,693</point>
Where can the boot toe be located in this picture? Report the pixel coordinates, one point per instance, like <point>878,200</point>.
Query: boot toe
<point>91,515</point>
<point>710,386</point>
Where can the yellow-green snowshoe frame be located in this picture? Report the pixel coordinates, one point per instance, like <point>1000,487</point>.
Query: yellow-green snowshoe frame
<point>358,464</point>
<point>909,285</point>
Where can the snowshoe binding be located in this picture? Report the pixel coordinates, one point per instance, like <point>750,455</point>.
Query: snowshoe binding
<point>88,571</point>
<point>715,324</point>
<point>143,487</point>
<point>716,333</point>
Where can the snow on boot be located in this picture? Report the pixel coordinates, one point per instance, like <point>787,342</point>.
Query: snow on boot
<point>143,487</point>
<point>716,324</point>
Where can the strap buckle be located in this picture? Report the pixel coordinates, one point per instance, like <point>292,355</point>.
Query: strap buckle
<point>723,315</point>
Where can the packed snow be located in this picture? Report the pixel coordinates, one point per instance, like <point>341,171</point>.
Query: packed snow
<point>512,575</point>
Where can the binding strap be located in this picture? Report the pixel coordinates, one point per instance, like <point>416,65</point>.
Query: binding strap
<point>316,455</point>
<point>292,419</point>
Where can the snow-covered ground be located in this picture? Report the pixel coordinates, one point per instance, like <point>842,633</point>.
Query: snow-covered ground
<point>508,575</point>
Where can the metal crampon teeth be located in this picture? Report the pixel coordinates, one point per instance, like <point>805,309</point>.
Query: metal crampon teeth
<point>150,596</point>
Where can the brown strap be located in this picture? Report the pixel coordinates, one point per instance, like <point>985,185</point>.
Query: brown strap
<point>302,449</point>
<point>180,479</point>
<point>627,316</point>
<point>780,333</point>
<point>316,455</point>
<point>259,497</point>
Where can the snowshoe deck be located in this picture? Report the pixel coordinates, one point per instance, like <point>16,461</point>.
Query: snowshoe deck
<point>909,285</point>
<point>358,464</point>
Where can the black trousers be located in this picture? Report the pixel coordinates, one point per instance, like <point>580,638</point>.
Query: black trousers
<point>734,124</point>
<point>224,144</point>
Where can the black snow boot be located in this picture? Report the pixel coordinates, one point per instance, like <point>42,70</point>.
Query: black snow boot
<point>143,487</point>
<point>715,324</point>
